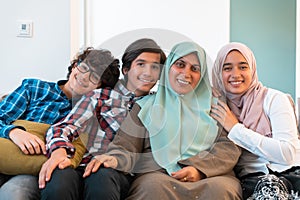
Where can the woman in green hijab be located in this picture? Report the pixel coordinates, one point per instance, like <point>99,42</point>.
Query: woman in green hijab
<point>169,141</point>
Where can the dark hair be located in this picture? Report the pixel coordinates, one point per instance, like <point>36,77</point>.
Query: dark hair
<point>78,58</point>
<point>98,60</point>
<point>138,47</point>
<point>3,97</point>
<point>102,62</point>
<point>111,75</point>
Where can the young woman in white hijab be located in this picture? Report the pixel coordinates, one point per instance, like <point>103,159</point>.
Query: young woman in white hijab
<point>261,120</point>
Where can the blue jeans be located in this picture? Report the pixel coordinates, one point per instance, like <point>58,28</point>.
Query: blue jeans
<point>19,187</point>
<point>104,184</point>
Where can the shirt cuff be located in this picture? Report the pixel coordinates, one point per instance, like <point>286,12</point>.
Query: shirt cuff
<point>8,128</point>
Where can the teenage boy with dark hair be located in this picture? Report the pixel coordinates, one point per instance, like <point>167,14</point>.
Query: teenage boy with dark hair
<point>141,67</point>
<point>48,102</point>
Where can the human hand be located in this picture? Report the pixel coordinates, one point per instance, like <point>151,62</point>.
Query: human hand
<point>215,92</point>
<point>187,174</point>
<point>58,158</point>
<point>27,142</point>
<point>93,166</point>
<point>222,114</point>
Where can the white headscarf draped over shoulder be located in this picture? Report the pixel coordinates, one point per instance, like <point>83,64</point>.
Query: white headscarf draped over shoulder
<point>179,126</point>
<point>248,107</point>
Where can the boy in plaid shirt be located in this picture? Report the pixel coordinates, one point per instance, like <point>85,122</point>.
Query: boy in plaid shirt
<point>48,102</point>
<point>99,114</point>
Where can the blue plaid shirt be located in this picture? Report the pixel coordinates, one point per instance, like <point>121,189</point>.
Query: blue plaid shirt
<point>34,100</point>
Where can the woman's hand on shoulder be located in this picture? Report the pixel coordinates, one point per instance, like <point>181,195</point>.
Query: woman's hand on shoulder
<point>222,114</point>
<point>215,92</point>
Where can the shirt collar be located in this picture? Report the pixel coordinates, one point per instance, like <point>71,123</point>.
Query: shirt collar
<point>63,82</point>
<point>60,83</point>
<point>120,87</point>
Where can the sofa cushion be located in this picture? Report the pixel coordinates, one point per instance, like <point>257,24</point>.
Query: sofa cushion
<point>13,161</point>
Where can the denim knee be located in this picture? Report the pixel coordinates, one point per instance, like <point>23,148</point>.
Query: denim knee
<point>64,184</point>
<point>20,187</point>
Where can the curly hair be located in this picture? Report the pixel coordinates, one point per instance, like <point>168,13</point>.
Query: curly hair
<point>80,56</point>
<point>111,75</point>
<point>102,62</point>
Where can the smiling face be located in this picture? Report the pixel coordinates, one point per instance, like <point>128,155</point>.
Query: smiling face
<point>78,84</point>
<point>185,74</point>
<point>236,73</point>
<point>144,73</point>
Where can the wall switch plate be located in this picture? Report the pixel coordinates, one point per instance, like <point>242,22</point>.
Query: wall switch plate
<point>25,28</point>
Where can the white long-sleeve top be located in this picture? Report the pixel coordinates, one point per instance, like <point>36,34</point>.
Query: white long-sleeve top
<point>278,153</point>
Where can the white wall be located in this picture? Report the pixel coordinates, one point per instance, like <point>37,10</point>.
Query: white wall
<point>47,54</point>
<point>116,23</point>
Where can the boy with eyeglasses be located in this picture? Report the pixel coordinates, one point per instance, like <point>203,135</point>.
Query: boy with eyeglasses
<point>48,102</point>
<point>100,114</point>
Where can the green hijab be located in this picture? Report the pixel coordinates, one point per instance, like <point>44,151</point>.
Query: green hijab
<point>179,126</point>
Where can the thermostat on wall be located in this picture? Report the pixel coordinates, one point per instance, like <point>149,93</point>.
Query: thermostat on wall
<point>24,28</point>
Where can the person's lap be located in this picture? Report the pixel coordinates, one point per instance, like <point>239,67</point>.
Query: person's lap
<point>20,187</point>
<point>69,184</point>
<point>64,184</point>
<point>288,181</point>
<point>158,185</point>
<point>106,183</point>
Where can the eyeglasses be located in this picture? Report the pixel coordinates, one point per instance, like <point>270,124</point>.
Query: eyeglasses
<point>94,77</point>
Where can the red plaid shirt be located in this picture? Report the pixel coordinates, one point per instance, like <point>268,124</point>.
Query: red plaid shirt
<point>99,113</point>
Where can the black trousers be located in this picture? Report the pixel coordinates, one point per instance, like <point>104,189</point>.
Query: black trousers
<point>4,178</point>
<point>68,184</point>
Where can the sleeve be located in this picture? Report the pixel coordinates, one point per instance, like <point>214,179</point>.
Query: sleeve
<point>128,142</point>
<point>12,107</point>
<point>63,133</point>
<point>281,148</point>
<point>220,159</point>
